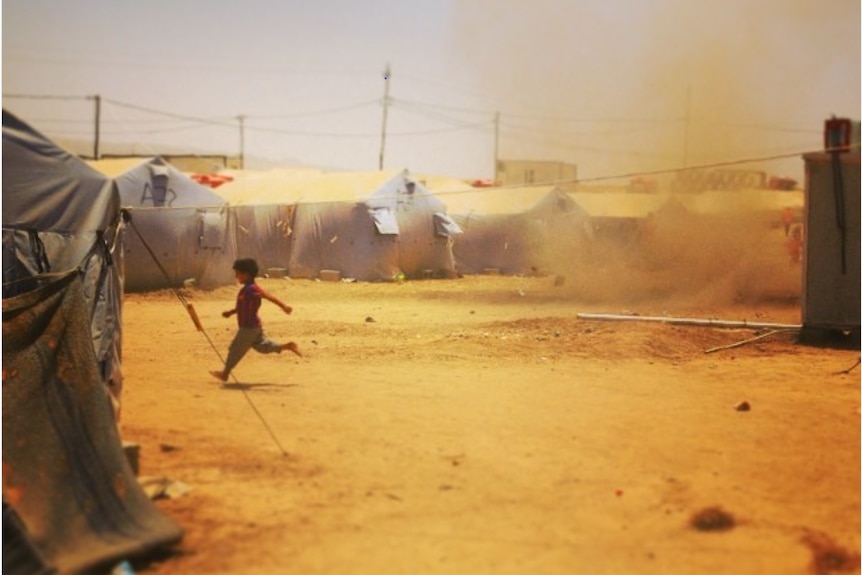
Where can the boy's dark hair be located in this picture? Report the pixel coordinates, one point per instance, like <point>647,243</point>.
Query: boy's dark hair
<point>246,266</point>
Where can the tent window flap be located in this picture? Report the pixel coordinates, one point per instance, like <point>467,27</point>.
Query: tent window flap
<point>384,221</point>
<point>212,228</point>
<point>446,226</point>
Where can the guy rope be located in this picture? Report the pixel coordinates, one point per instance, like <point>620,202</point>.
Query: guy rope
<point>190,309</point>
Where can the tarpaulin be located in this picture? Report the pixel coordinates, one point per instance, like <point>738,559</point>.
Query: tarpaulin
<point>64,471</point>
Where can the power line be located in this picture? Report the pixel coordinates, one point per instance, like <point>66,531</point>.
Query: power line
<point>419,104</point>
<point>439,117</point>
<point>646,173</point>
<point>709,166</point>
<point>45,97</point>
<point>345,108</point>
<point>117,132</point>
<point>211,121</point>
<point>289,132</point>
<point>541,117</point>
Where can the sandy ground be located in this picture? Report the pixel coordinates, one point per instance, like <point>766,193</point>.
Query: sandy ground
<point>477,426</point>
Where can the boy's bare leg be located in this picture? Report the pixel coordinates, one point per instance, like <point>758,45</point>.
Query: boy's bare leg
<point>291,346</point>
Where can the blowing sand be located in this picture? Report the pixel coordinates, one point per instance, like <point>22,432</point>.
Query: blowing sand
<point>477,426</point>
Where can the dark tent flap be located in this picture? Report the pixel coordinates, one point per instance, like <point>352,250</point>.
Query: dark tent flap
<point>64,471</point>
<point>384,221</point>
<point>20,556</point>
<point>52,189</point>
<point>446,226</point>
<point>61,215</point>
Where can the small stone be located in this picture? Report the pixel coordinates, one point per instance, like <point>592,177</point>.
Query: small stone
<point>743,406</point>
<point>369,319</point>
<point>712,519</point>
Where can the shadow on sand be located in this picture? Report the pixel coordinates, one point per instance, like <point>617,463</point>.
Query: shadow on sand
<point>257,386</point>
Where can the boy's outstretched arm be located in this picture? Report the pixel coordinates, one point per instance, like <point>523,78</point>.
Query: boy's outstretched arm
<point>266,295</point>
<point>228,313</point>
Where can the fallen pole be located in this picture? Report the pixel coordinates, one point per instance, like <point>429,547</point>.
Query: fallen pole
<point>690,321</point>
<point>749,340</point>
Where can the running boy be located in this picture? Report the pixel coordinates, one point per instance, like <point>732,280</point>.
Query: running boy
<point>250,333</point>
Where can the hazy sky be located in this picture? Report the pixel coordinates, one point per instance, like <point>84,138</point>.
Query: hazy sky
<point>613,86</point>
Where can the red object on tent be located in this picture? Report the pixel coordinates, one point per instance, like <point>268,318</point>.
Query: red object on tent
<point>483,183</point>
<point>211,180</point>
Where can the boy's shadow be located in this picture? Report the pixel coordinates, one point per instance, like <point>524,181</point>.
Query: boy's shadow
<point>257,386</point>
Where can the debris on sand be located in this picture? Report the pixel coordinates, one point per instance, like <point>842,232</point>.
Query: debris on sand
<point>827,556</point>
<point>370,319</point>
<point>712,519</point>
<point>743,406</point>
<point>163,487</point>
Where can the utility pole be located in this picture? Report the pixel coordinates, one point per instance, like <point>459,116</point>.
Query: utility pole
<point>241,119</point>
<point>496,144</point>
<point>97,128</point>
<point>687,122</point>
<point>387,74</point>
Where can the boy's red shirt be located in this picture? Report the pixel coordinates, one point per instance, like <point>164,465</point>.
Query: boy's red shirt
<point>247,304</point>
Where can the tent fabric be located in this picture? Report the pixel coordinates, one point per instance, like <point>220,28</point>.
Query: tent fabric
<point>445,226</point>
<point>520,230</point>
<point>620,205</point>
<point>189,243</point>
<point>369,226</point>
<point>263,232</point>
<point>623,216</point>
<point>185,224</point>
<point>59,215</point>
<point>341,237</point>
<point>496,201</point>
<point>384,221</point>
<point>154,183</point>
<point>494,241</point>
<point>47,188</point>
<point>20,555</point>
<point>278,186</point>
<point>64,471</point>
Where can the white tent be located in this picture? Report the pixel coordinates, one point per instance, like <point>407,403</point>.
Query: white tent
<point>179,229</point>
<point>366,225</point>
<point>515,230</point>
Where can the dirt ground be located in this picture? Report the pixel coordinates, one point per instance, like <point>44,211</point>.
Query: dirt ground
<point>476,425</point>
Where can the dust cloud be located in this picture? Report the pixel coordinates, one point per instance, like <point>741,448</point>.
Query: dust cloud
<point>622,87</point>
<point>736,258</point>
<point>618,87</point>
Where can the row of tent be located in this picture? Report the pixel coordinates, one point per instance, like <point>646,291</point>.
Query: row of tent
<point>375,225</point>
<point>76,236</point>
